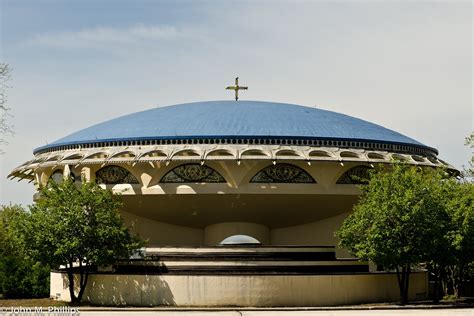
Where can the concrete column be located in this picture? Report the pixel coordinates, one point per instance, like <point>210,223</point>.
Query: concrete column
<point>66,172</point>
<point>43,178</point>
<point>86,174</point>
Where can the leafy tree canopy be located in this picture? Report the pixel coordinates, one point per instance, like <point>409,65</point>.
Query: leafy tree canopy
<point>77,225</point>
<point>20,277</point>
<point>393,223</point>
<point>10,216</point>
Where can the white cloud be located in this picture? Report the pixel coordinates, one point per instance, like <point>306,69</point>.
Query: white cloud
<point>108,36</point>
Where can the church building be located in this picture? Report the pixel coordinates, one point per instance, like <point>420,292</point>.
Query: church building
<point>239,201</point>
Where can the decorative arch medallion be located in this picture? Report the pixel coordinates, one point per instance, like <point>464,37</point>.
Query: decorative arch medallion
<point>282,173</point>
<point>355,175</point>
<point>192,172</point>
<point>114,175</point>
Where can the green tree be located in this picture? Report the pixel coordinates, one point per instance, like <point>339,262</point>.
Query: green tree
<point>459,199</point>
<point>9,243</point>
<point>398,221</point>
<point>77,226</point>
<point>20,276</point>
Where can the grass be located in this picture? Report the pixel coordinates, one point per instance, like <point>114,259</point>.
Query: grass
<point>31,302</point>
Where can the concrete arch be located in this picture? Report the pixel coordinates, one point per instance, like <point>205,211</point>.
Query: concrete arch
<point>287,153</point>
<point>123,154</point>
<point>153,153</point>
<point>253,152</point>
<point>54,158</point>
<point>433,160</point>
<point>398,157</point>
<point>418,158</point>
<point>220,153</point>
<point>36,160</point>
<point>348,154</point>
<point>96,155</point>
<point>373,155</point>
<point>186,153</point>
<point>73,156</point>
<point>318,154</point>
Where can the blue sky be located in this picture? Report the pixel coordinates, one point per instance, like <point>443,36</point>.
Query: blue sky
<point>405,65</point>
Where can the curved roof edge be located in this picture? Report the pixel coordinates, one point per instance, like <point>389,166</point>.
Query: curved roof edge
<point>98,143</point>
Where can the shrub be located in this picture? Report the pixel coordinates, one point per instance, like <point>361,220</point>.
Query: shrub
<point>23,278</point>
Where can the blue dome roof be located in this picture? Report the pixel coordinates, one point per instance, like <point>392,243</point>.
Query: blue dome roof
<point>231,119</point>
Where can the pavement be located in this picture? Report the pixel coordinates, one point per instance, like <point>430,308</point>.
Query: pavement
<point>459,309</point>
<point>397,312</point>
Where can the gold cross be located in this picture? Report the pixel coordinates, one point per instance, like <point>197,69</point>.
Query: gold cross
<point>236,88</point>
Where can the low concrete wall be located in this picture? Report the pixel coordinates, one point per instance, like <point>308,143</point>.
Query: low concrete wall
<point>241,290</point>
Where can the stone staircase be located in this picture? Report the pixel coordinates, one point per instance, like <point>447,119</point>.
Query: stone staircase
<point>241,260</point>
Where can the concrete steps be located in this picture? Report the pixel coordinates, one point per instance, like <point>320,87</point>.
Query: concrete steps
<point>255,253</point>
<point>240,260</point>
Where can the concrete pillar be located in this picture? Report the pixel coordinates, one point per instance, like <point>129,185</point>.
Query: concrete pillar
<point>86,174</point>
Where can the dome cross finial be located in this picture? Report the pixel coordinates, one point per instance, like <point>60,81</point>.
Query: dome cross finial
<point>236,88</point>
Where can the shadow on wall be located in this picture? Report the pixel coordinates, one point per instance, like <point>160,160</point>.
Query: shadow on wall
<point>124,290</point>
